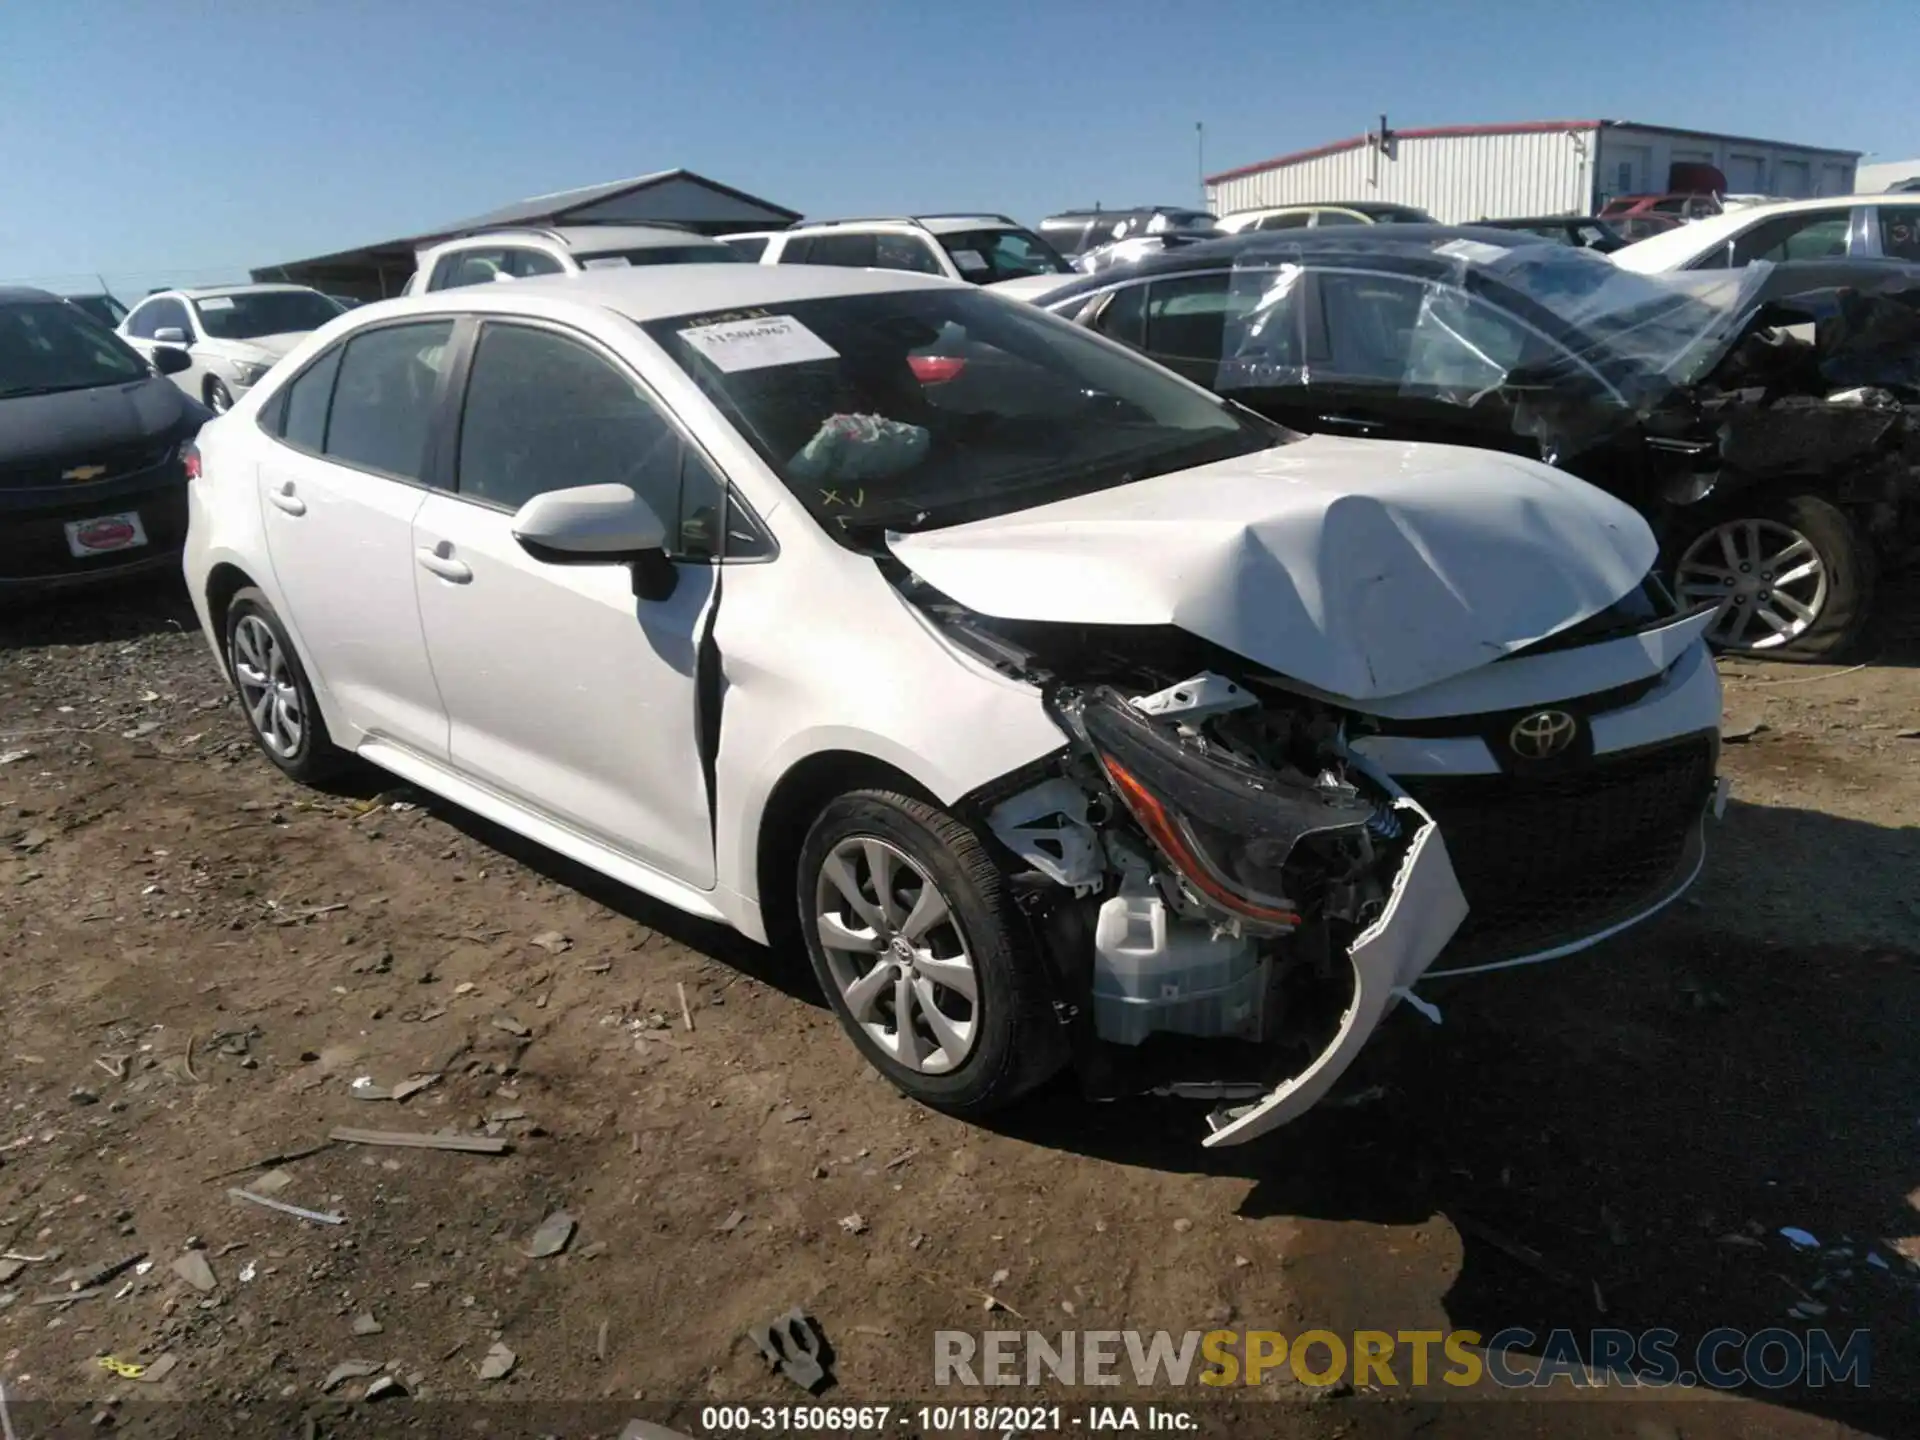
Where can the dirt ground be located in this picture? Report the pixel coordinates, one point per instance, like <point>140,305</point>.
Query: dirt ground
<point>198,959</point>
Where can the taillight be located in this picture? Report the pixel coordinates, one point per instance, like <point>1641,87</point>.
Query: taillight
<point>190,460</point>
<point>936,369</point>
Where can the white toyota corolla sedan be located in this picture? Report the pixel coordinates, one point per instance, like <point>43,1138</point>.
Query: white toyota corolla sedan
<point>1063,711</point>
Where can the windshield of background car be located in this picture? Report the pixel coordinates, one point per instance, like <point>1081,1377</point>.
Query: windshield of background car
<point>48,345</point>
<point>264,312</point>
<point>909,409</point>
<point>985,256</point>
<point>660,255</point>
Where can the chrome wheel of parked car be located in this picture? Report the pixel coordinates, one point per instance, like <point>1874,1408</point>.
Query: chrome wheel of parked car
<point>219,400</point>
<point>896,955</point>
<point>267,688</point>
<point>1769,579</point>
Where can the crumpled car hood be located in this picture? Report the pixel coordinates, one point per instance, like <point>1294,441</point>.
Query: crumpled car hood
<point>1361,568</point>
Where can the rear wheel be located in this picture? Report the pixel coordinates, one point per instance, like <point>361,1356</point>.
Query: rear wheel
<point>274,693</point>
<point>1792,576</point>
<point>916,943</point>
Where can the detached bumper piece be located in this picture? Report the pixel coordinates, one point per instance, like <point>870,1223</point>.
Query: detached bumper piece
<point>1277,869</point>
<point>1425,908</point>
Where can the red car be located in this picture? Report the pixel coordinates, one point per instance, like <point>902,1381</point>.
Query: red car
<point>1679,206</point>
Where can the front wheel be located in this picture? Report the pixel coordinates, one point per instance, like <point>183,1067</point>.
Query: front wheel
<point>219,398</point>
<point>915,940</point>
<point>1792,576</point>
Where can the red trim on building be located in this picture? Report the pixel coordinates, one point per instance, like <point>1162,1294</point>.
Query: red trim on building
<point>1521,127</point>
<point>1433,132</point>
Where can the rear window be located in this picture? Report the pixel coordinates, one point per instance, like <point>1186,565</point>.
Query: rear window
<point>747,247</point>
<point>987,256</point>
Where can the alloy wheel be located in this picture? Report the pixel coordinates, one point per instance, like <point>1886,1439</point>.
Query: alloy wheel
<point>1763,574</point>
<point>267,688</point>
<point>896,955</point>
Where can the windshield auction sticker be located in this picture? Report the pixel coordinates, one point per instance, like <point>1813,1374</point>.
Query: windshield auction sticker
<point>734,345</point>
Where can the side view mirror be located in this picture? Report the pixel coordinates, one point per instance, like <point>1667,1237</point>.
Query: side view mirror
<point>169,335</point>
<point>599,525</point>
<point>171,360</point>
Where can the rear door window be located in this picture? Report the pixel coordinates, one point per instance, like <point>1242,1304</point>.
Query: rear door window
<point>1900,231</point>
<point>1365,326</point>
<point>306,403</point>
<point>383,398</point>
<point>904,252</point>
<point>747,247</point>
<point>1290,220</point>
<point>1808,235</point>
<point>1187,321</point>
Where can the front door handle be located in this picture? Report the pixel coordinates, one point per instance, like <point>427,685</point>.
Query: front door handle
<point>441,562</point>
<point>287,500</point>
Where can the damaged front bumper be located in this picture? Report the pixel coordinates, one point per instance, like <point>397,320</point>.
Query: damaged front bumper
<point>1239,878</point>
<point>1424,909</point>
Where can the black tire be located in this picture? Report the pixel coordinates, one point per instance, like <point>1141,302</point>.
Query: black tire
<point>1845,554</point>
<point>315,757</point>
<point>219,398</point>
<point>1018,1041</point>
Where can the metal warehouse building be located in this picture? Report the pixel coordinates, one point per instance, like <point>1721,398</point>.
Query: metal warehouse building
<point>1461,173</point>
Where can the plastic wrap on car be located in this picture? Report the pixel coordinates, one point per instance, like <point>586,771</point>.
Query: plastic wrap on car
<point>1598,348</point>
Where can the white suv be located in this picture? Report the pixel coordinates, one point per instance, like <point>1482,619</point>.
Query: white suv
<point>521,254</point>
<point>980,249</point>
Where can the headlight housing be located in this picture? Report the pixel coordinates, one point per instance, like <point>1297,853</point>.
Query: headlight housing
<point>1227,827</point>
<point>247,372</point>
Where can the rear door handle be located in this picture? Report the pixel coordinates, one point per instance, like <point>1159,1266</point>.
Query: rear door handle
<point>445,566</point>
<point>287,500</point>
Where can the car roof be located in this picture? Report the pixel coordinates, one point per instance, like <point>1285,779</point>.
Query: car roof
<point>935,224</point>
<point>210,292</point>
<point>1673,247</point>
<point>23,294</point>
<point>655,292</point>
<point>613,237</point>
<point>1364,207</point>
<point>1341,242</point>
<point>1507,221</point>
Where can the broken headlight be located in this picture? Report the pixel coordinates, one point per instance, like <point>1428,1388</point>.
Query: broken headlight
<point>1228,827</point>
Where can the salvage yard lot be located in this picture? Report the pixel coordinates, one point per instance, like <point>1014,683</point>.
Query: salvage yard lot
<point>198,959</point>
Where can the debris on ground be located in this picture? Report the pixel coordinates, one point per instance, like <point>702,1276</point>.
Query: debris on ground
<point>553,1236</point>
<point>194,1268</point>
<point>365,1324</point>
<point>734,1220</point>
<point>854,1224</point>
<point>477,1144</point>
<point>364,1088</point>
<point>159,1369</point>
<point>348,1370</point>
<point>552,941</point>
<point>794,1345</point>
<point>383,1388</point>
<point>498,1363</point>
<point>1798,1238</point>
<point>319,1217</point>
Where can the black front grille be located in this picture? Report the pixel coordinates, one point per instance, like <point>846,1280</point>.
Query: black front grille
<point>1544,861</point>
<point>113,462</point>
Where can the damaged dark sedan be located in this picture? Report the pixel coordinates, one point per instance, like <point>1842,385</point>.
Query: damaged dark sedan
<point>1765,420</point>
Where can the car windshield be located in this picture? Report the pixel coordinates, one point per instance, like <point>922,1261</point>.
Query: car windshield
<point>911,409</point>
<point>712,254</point>
<point>48,345</point>
<point>249,315</point>
<point>985,256</point>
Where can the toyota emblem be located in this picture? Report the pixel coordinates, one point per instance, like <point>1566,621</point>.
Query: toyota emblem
<point>1543,734</point>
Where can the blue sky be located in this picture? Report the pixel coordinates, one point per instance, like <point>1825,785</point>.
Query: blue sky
<point>162,141</point>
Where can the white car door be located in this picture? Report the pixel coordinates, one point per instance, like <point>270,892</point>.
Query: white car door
<point>563,690</point>
<point>338,496</point>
